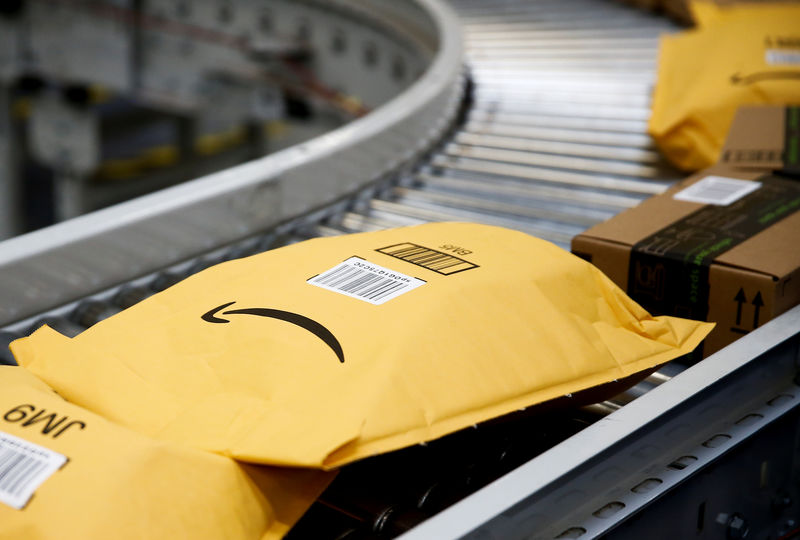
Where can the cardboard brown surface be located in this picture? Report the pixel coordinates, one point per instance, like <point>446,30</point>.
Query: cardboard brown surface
<point>656,213</point>
<point>756,138</point>
<point>777,254</point>
<point>739,301</point>
<point>750,283</point>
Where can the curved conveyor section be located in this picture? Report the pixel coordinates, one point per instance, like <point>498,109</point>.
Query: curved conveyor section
<point>51,267</point>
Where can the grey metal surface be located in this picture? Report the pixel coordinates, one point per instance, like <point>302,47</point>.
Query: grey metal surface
<point>10,218</point>
<point>555,137</point>
<point>699,413</point>
<point>44,269</point>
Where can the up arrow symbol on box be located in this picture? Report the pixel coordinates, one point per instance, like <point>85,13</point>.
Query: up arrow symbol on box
<point>740,299</point>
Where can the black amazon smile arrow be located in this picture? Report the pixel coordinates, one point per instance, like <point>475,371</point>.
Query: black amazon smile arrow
<point>738,78</point>
<point>299,320</point>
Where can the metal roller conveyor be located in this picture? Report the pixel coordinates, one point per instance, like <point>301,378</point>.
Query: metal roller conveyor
<point>636,155</point>
<point>531,115</point>
<point>513,190</point>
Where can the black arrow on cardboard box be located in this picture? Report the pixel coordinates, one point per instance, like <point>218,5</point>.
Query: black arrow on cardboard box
<point>740,299</point>
<point>758,303</point>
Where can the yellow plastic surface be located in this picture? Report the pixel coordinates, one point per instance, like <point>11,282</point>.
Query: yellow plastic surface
<point>743,54</point>
<point>523,322</point>
<point>123,485</point>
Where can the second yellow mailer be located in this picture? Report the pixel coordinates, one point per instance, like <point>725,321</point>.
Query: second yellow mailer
<point>335,349</point>
<point>740,54</point>
<point>67,473</point>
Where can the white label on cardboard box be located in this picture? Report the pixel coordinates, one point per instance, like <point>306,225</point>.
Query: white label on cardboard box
<point>366,281</point>
<point>718,190</point>
<point>785,57</point>
<point>24,466</point>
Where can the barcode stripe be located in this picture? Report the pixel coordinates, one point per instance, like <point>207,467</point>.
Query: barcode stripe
<point>445,264</point>
<point>439,258</point>
<point>15,471</point>
<point>360,279</point>
<point>23,467</point>
<point>384,293</point>
<point>360,283</point>
<point>383,283</point>
<point>26,472</point>
<point>381,286</point>
<point>354,282</point>
<point>15,458</point>
<point>410,253</point>
<point>328,276</point>
<point>5,456</point>
<point>421,256</point>
<point>375,285</point>
<point>404,250</point>
<point>341,277</point>
<point>428,258</point>
<point>33,473</point>
<point>450,264</point>
<point>349,284</point>
<point>347,276</point>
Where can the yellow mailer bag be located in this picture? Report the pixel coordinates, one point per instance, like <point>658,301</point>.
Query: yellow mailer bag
<point>743,54</point>
<point>334,349</point>
<point>67,473</point>
<point>707,12</point>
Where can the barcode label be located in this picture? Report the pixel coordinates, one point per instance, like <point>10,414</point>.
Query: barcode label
<point>24,466</point>
<point>776,57</point>
<point>360,279</point>
<point>717,190</point>
<point>439,262</point>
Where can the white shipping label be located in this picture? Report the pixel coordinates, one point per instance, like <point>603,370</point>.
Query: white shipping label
<point>785,57</point>
<point>24,466</point>
<point>360,279</point>
<point>717,190</point>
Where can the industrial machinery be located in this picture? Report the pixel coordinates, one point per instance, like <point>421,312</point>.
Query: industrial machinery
<point>529,115</point>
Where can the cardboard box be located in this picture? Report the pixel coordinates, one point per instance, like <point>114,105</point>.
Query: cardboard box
<point>764,137</point>
<point>737,265</point>
<point>678,10</point>
<point>681,11</point>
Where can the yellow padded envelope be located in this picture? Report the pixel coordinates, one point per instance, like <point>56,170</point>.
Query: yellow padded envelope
<point>334,349</point>
<point>67,473</point>
<point>742,54</point>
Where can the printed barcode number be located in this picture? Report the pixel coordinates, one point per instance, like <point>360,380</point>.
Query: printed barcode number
<point>717,190</point>
<point>366,281</point>
<point>24,466</point>
<point>783,57</point>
